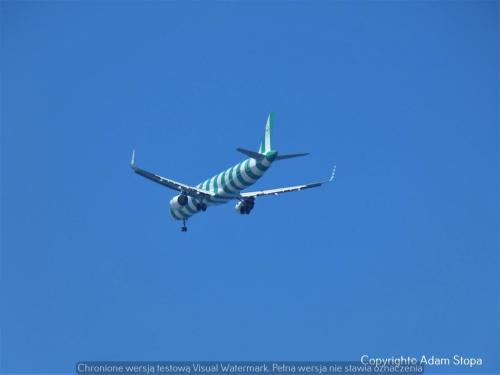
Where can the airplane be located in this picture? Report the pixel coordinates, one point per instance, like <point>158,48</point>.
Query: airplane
<point>228,185</point>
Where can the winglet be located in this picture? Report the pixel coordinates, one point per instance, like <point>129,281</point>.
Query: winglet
<point>132,162</point>
<point>332,177</point>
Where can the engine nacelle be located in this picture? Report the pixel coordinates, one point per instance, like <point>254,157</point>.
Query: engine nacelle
<point>240,207</point>
<point>178,201</point>
<point>244,207</point>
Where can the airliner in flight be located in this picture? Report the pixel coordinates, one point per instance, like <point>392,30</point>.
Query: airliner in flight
<point>228,185</point>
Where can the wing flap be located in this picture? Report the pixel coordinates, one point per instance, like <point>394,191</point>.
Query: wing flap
<point>179,186</point>
<point>289,189</point>
<point>277,191</point>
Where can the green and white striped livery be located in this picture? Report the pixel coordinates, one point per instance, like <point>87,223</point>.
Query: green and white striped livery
<point>265,145</point>
<point>229,184</point>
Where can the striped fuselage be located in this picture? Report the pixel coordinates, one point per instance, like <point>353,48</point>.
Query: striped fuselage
<point>226,185</point>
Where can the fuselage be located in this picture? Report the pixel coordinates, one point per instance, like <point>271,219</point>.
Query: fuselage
<point>226,185</point>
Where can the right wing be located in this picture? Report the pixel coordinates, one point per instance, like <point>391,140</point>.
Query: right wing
<point>192,191</point>
<point>289,189</point>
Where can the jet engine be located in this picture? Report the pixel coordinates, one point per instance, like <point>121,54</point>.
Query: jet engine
<point>178,201</point>
<point>244,207</point>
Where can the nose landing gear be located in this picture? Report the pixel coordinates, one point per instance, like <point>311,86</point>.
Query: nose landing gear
<point>184,227</point>
<point>200,206</point>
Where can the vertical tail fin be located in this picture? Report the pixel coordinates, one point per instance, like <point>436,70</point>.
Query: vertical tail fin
<point>265,145</point>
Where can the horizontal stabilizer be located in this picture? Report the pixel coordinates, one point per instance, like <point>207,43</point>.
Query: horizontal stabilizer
<point>289,156</point>
<point>251,154</point>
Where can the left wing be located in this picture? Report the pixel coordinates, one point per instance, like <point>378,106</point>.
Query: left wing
<point>289,189</point>
<point>192,191</point>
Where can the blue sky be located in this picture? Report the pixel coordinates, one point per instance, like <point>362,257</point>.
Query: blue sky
<point>399,256</point>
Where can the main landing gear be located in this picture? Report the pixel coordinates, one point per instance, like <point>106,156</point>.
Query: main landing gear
<point>182,200</point>
<point>201,206</point>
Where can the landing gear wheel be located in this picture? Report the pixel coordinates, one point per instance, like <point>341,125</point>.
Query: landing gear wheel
<point>201,206</point>
<point>184,227</point>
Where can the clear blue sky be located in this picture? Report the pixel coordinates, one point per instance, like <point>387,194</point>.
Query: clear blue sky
<point>398,256</point>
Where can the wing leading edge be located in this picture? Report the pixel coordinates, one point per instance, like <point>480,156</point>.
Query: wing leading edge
<point>192,191</point>
<point>289,189</point>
